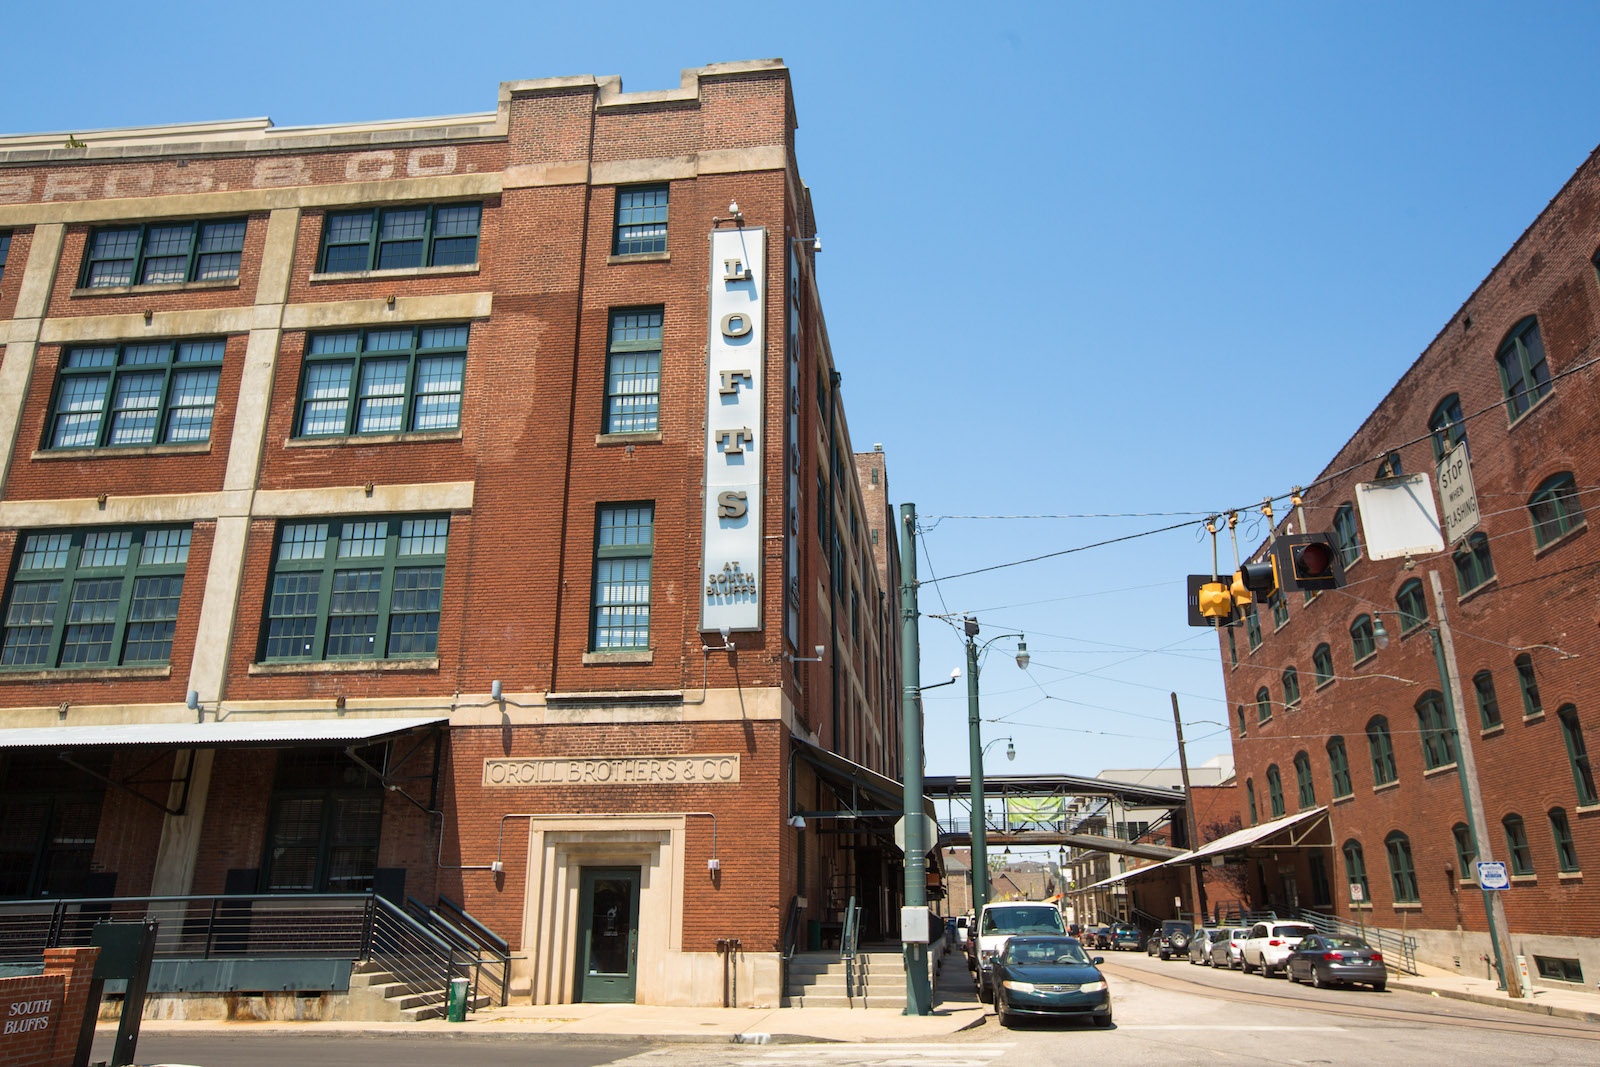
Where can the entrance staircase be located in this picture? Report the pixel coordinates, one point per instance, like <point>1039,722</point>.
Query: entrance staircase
<point>376,995</point>
<point>873,979</point>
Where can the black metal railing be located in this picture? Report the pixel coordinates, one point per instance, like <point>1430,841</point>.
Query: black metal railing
<point>852,930</point>
<point>489,955</point>
<point>420,961</point>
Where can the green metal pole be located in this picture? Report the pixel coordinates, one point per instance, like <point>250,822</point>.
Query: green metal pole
<point>919,995</point>
<point>980,829</point>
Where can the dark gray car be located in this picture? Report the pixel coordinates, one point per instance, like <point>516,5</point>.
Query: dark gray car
<point>1333,959</point>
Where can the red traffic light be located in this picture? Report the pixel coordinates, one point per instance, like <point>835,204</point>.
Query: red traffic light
<point>1308,562</point>
<point>1313,560</point>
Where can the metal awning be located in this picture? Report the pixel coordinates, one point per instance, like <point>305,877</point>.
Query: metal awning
<point>884,792</point>
<point>1125,875</point>
<point>249,732</point>
<point>1294,831</point>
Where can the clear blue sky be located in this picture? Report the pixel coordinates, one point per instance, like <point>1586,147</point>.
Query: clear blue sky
<point>1078,259</point>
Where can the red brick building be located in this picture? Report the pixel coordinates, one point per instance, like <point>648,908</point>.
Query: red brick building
<point>1336,699</point>
<point>459,507</point>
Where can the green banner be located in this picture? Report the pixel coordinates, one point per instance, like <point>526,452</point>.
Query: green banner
<point>1036,809</point>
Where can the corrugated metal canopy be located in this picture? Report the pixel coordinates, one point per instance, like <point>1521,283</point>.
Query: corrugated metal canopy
<point>1234,842</point>
<point>257,732</point>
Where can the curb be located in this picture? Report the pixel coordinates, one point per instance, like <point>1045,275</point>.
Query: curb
<point>1497,1000</point>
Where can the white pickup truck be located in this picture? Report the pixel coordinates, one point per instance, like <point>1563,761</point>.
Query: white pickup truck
<point>1001,922</point>
<point>1269,945</point>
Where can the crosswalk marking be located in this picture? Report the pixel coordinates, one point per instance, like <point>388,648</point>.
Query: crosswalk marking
<point>879,1055</point>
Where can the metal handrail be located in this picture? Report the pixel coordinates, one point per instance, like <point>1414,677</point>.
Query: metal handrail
<point>791,928</point>
<point>498,969</point>
<point>852,930</point>
<point>1402,948</point>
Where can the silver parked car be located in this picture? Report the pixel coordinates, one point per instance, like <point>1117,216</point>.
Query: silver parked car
<point>1225,951</point>
<point>1200,944</point>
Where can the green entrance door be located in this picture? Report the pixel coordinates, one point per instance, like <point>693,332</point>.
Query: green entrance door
<point>608,934</point>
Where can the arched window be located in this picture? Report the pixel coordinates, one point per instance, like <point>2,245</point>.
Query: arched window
<point>1531,703</point>
<point>1241,721</point>
<point>1233,647</point>
<point>1339,768</point>
<point>1488,703</point>
<point>1355,868</point>
<point>1382,751</point>
<point>1474,567</point>
<point>1250,795</point>
<point>1275,790</point>
<point>1524,372</point>
<point>1263,705</point>
<point>1402,872</point>
<point>1578,755</point>
<point>1344,533</point>
<point>1517,844</point>
<point>1447,425</point>
<point>1438,732</point>
<point>1362,642</point>
<point>1561,831</point>
<point>1280,611</point>
<point>1302,774</point>
<point>1555,508</point>
<point>1466,851</point>
<point>1390,467</point>
<point>1291,688</point>
<point>1252,627</point>
<point>1322,665</point>
<point>1413,605</point>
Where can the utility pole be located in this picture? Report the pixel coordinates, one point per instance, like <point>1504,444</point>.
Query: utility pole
<point>1444,650</point>
<point>978,824</point>
<point>919,995</point>
<point>1188,812</point>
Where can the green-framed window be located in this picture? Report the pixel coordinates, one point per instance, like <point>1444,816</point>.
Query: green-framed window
<point>1233,647</point>
<point>400,238</point>
<point>1291,688</point>
<point>1362,641</point>
<point>390,380</point>
<point>1466,851</point>
<point>1437,731</point>
<point>1305,787</point>
<point>1280,611</point>
<point>1250,796</point>
<point>1446,426</point>
<point>1355,868</point>
<point>1240,716</point>
<point>94,598</point>
<point>356,589</point>
<point>1252,627</point>
<point>1275,790</point>
<point>1390,466</point>
<point>1561,833</point>
<point>633,372</point>
<point>49,821</point>
<point>1402,870</point>
<point>324,824</point>
<point>1578,756</point>
<point>1339,768</point>
<point>1524,371</point>
<point>1488,703</point>
<point>1344,534</point>
<point>624,541</point>
<point>1532,703</point>
<point>1381,749</point>
<point>1322,665</point>
<point>641,220</point>
<point>1474,565</point>
<point>160,253</point>
<point>1413,605</point>
<point>1555,508</point>
<point>110,396</point>
<point>5,253</point>
<point>1517,844</point>
<point>1263,705</point>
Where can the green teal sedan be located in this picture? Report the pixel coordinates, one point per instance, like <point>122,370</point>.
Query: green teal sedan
<point>1049,976</point>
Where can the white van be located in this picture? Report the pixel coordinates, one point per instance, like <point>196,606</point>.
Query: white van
<point>1001,922</point>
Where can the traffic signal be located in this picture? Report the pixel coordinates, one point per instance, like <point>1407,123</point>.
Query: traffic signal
<point>1210,601</point>
<point>1308,561</point>
<point>1256,580</point>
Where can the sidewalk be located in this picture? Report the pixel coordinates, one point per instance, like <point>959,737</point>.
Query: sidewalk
<point>1561,1003</point>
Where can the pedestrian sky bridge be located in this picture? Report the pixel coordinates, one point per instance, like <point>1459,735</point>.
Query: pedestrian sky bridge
<point>1051,809</point>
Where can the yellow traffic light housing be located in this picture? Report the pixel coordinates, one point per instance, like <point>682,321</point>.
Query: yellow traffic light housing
<point>1216,601</point>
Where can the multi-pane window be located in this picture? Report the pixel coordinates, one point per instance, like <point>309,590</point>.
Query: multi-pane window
<point>1474,566</point>
<point>1291,688</point>
<point>1355,868</point>
<point>1252,627</point>
<point>1524,372</point>
<point>1275,790</point>
<point>1306,788</point>
<point>398,238</point>
<point>382,381</point>
<point>1466,850</point>
<point>1339,768</point>
<point>1413,605</point>
<point>1239,714</point>
<point>1447,427</point>
<point>1578,755</point>
<point>1263,705</point>
<point>163,253</point>
<point>95,598</point>
<point>1344,533</point>
<point>1280,611</point>
<point>1517,844</point>
<point>5,252</point>
<point>1390,466</point>
<point>1555,508</point>
<point>624,539</point>
<point>1559,968</point>
<point>633,372</point>
<point>1561,832</point>
<point>1322,665</point>
<point>1250,795</point>
<point>358,589</point>
<point>1488,703</point>
<point>1531,703</point>
<point>135,394</point>
<point>325,822</point>
<point>1438,732</point>
<point>1233,648</point>
<point>641,220</point>
<point>1402,871</point>
<point>49,822</point>
<point>1362,641</point>
<point>1382,751</point>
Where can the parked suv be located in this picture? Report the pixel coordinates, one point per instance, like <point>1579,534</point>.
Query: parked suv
<point>1269,945</point>
<point>1172,939</point>
<point>1126,935</point>
<point>1001,922</point>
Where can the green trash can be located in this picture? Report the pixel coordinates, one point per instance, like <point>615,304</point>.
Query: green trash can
<point>458,1000</point>
<point>813,935</point>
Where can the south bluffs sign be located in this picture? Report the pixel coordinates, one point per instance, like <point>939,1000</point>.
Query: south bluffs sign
<point>613,770</point>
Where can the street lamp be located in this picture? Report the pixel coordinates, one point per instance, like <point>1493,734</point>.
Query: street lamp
<point>979,826</point>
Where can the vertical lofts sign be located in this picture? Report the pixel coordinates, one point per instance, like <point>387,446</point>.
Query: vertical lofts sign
<point>731,554</point>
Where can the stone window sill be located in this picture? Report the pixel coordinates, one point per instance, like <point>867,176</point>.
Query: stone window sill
<point>646,437</point>
<point>1446,768</point>
<point>621,696</point>
<point>1587,809</point>
<point>396,272</point>
<point>1386,786</point>
<point>358,440</point>
<point>1363,659</point>
<point>122,451</point>
<point>639,257</point>
<point>1325,683</point>
<point>1524,879</point>
<point>1493,731</point>
<point>1481,587</point>
<point>1535,717</point>
<point>596,659</point>
<point>1346,798</point>
<point>1570,876</point>
<point>1551,546</point>
<point>161,287</point>
<point>345,666</point>
<point>86,674</point>
<point>1407,905</point>
<point>1535,406</point>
